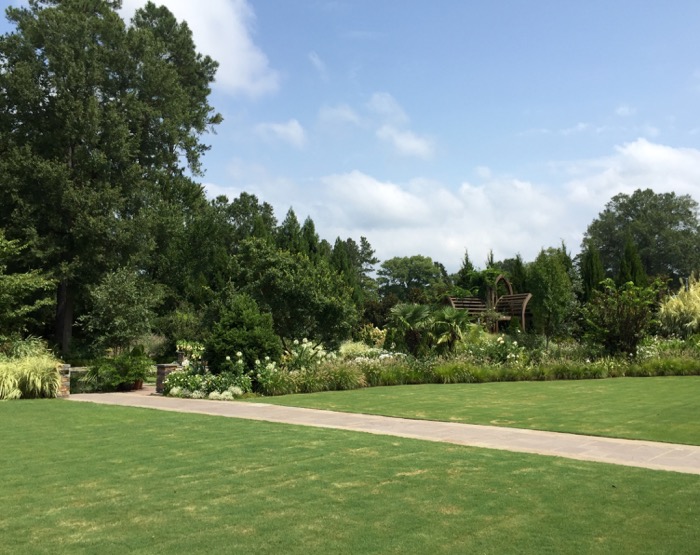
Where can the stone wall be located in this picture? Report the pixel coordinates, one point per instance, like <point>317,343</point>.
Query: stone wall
<point>64,387</point>
<point>162,371</point>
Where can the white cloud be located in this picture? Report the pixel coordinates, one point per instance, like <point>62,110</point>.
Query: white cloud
<point>363,200</point>
<point>290,132</point>
<point>578,128</point>
<point>224,30</point>
<point>651,131</point>
<point>637,165</point>
<point>341,114</point>
<point>503,213</point>
<point>318,63</point>
<point>387,108</point>
<point>406,143</point>
<point>625,110</point>
<point>484,172</point>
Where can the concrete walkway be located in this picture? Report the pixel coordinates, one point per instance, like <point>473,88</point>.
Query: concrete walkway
<point>646,454</point>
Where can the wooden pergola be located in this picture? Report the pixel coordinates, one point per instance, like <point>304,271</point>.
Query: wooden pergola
<point>508,306</point>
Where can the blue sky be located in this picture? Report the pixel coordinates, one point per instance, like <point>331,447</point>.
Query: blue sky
<point>435,127</point>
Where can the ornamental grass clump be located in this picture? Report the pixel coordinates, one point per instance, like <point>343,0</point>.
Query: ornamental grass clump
<point>29,377</point>
<point>680,314</point>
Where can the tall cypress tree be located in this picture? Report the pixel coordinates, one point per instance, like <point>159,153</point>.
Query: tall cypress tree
<point>289,236</point>
<point>631,268</point>
<point>592,272</point>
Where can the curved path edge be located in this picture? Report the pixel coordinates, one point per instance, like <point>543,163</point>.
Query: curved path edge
<point>627,452</point>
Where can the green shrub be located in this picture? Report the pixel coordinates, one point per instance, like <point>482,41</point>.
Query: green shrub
<point>118,373</point>
<point>354,349</point>
<point>618,318</point>
<point>271,380</point>
<point>243,328</point>
<point>495,349</point>
<point>665,367</point>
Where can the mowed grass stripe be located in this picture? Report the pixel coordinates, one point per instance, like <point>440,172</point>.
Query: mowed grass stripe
<point>656,409</point>
<point>82,478</point>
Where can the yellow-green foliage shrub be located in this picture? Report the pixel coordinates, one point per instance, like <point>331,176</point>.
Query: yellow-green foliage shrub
<point>29,377</point>
<point>680,314</point>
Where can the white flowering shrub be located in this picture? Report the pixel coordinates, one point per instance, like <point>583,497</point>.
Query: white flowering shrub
<point>500,349</point>
<point>301,355</point>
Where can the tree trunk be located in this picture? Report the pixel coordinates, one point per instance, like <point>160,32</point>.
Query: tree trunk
<point>64,316</point>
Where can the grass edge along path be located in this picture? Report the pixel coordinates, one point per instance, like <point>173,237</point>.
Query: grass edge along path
<point>645,454</point>
<point>665,409</point>
<point>85,478</point>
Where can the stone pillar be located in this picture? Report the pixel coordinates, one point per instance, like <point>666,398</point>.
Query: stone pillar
<point>162,371</point>
<point>64,388</point>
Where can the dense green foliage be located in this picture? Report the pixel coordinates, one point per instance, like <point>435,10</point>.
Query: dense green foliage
<point>618,317</point>
<point>240,327</point>
<point>305,299</point>
<point>22,294</point>
<point>592,273</point>
<point>664,227</point>
<point>410,278</point>
<point>553,298</point>
<point>90,147</point>
<point>122,372</point>
<point>101,139</point>
<point>121,310</point>
<point>631,269</point>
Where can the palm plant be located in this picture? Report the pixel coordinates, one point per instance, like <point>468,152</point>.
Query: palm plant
<point>410,324</point>
<point>448,327</point>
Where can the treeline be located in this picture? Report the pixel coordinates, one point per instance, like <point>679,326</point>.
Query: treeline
<point>206,265</point>
<point>105,239</point>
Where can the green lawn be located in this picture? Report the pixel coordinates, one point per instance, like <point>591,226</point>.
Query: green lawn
<point>82,478</point>
<point>658,409</point>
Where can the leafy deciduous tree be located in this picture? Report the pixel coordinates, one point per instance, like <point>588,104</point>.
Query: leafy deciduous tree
<point>663,226</point>
<point>305,300</point>
<point>121,309</point>
<point>21,294</point>
<point>409,278</point>
<point>96,119</point>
